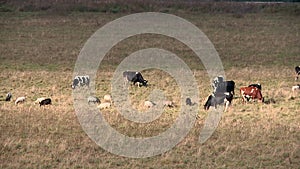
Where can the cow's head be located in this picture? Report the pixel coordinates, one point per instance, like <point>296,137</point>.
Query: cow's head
<point>75,83</point>
<point>145,83</point>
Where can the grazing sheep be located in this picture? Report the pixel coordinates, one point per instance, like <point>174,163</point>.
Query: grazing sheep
<point>45,102</point>
<point>188,101</point>
<point>297,87</point>
<point>8,97</point>
<point>107,98</point>
<point>92,99</point>
<point>20,100</point>
<point>38,100</point>
<point>168,103</point>
<point>104,105</point>
<point>148,104</point>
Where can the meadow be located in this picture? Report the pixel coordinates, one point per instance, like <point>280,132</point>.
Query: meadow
<point>38,53</point>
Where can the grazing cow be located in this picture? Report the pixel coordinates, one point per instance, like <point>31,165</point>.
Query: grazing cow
<point>251,93</point>
<point>45,102</point>
<point>297,69</point>
<point>297,87</point>
<point>134,77</point>
<point>219,98</point>
<point>81,81</point>
<point>92,99</point>
<point>221,86</point>
<point>8,97</point>
<point>256,85</point>
<point>20,100</point>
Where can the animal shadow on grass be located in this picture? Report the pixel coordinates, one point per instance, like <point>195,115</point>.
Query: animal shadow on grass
<point>269,101</point>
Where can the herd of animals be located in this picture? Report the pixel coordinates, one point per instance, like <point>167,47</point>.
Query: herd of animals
<point>223,92</point>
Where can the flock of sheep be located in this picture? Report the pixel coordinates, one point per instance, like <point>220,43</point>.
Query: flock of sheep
<point>41,101</point>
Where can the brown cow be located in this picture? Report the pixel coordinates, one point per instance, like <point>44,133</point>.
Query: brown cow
<point>251,93</point>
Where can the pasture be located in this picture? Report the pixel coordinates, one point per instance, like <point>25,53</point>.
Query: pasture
<point>38,53</point>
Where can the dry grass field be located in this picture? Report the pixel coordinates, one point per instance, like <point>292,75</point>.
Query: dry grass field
<point>38,54</point>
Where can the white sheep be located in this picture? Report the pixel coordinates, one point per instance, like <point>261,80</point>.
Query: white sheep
<point>294,88</point>
<point>38,100</point>
<point>20,100</point>
<point>168,103</point>
<point>104,105</point>
<point>148,104</point>
<point>93,99</point>
<point>107,98</point>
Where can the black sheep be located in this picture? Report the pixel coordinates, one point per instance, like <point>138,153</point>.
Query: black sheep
<point>45,102</point>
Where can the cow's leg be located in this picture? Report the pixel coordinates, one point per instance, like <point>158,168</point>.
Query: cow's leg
<point>226,104</point>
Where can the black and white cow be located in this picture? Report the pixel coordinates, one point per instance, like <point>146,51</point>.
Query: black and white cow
<point>297,70</point>
<point>218,99</point>
<point>134,77</point>
<point>81,81</point>
<point>256,85</point>
<point>221,86</point>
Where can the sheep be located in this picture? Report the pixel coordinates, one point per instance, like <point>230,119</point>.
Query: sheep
<point>168,103</point>
<point>107,98</point>
<point>8,97</point>
<point>148,104</point>
<point>20,100</point>
<point>45,102</point>
<point>92,99</point>
<point>38,100</point>
<point>294,88</point>
<point>103,105</point>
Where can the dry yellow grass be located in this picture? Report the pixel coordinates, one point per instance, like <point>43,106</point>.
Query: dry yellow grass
<point>37,59</point>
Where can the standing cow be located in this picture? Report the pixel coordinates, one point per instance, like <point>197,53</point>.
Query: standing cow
<point>297,70</point>
<point>134,77</point>
<point>218,99</point>
<point>221,86</point>
<point>251,93</point>
<point>81,81</point>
